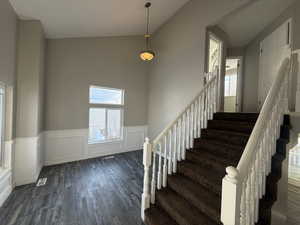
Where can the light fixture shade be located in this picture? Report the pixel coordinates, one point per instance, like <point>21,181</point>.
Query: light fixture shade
<point>147,55</point>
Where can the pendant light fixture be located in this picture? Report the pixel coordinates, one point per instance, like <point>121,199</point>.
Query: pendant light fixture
<point>148,54</point>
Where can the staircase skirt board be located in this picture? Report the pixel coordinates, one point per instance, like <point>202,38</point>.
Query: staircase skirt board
<point>193,194</point>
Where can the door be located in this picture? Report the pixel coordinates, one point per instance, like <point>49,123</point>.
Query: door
<point>273,50</point>
<point>215,63</point>
<point>232,81</point>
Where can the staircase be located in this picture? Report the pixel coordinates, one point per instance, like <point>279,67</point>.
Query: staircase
<point>193,195</point>
<point>210,168</point>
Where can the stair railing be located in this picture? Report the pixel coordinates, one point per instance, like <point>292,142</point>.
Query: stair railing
<point>244,186</point>
<point>169,147</point>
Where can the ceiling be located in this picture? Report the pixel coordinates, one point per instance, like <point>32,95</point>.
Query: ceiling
<point>93,18</point>
<point>245,24</point>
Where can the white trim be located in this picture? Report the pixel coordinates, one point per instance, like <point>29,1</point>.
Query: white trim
<point>72,145</point>
<point>5,185</point>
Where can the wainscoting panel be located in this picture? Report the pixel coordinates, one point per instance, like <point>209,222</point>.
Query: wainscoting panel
<point>27,160</point>
<point>5,185</point>
<point>71,145</point>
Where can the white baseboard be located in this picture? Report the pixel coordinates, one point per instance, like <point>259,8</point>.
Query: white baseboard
<point>71,145</point>
<point>5,185</point>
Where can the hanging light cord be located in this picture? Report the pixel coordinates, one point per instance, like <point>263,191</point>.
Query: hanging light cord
<point>148,4</point>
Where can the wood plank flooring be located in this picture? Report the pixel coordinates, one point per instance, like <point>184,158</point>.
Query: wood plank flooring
<point>293,205</point>
<point>91,192</point>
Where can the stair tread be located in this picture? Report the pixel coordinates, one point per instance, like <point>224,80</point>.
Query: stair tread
<point>203,199</point>
<point>211,179</point>
<point>181,210</point>
<point>156,216</point>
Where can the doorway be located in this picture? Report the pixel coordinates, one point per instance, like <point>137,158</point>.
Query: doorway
<point>232,81</point>
<point>215,64</point>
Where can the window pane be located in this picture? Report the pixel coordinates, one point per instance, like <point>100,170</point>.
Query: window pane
<point>97,124</point>
<point>105,96</point>
<point>113,123</point>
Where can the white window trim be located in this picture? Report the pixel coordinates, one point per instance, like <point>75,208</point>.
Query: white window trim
<point>2,151</point>
<point>108,88</point>
<point>107,107</point>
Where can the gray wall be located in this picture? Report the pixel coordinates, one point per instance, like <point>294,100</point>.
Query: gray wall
<point>8,35</point>
<point>30,72</point>
<point>251,65</point>
<point>8,23</point>
<point>74,64</point>
<point>176,74</point>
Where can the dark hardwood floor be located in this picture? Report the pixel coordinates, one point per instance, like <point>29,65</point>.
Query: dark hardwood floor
<point>91,192</point>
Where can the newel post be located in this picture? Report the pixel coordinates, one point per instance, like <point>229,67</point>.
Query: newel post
<point>147,152</point>
<point>231,197</point>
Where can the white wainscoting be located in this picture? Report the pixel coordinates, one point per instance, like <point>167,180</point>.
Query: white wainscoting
<point>28,159</point>
<point>6,179</point>
<point>5,185</point>
<point>71,145</point>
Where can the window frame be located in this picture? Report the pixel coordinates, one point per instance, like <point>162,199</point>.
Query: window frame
<point>3,115</point>
<point>108,88</point>
<point>107,107</point>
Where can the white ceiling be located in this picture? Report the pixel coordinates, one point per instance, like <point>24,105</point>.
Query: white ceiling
<point>245,24</point>
<point>90,18</point>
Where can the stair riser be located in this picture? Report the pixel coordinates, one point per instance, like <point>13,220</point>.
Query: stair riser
<point>224,150</point>
<point>216,188</point>
<point>198,204</point>
<point>232,139</point>
<point>218,125</point>
<point>206,163</point>
<point>236,117</point>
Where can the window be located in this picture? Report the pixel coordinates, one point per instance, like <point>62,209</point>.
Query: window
<point>230,85</point>
<point>105,114</point>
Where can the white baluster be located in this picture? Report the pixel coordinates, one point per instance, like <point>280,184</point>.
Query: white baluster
<point>191,126</point>
<point>174,149</point>
<point>183,148</point>
<point>170,153</point>
<point>187,124</point>
<point>165,169</point>
<point>159,173</point>
<point>153,182</point>
<point>199,116</point>
<point>147,151</point>
<point>195,119</point>
<point>179,131</point>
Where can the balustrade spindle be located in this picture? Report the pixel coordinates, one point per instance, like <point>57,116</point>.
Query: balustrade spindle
<point>174,149</point>
<point>153,182</point>
<point>187,140</point>
<point>199,116</point>
<point>159,173</point>
<point>183,137</point>
<point>165,170</point>
<point>170,153</point>
<point>191,126</point>
<point>179,131</point>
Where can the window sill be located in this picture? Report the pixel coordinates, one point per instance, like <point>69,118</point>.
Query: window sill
<point>114,141</point>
